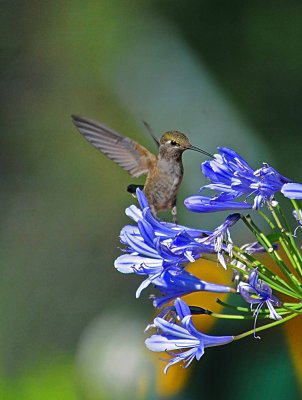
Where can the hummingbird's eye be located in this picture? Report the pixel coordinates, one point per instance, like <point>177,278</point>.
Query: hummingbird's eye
<point>173,143</point>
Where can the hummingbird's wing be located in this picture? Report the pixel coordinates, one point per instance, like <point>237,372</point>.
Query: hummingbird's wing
<point>130,155</point>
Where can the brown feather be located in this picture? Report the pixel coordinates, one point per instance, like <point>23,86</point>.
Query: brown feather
<point>127,153</point>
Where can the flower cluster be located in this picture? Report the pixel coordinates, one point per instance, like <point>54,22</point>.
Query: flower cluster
<point>232,177</point>
<point>161,252</point>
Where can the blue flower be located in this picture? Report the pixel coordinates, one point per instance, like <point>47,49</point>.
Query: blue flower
<point>259,292</point>
<point>155,246</point>
<point>161,228</point>
<point>232,177</point>
<point>222,171</point>
<point>160,251</point>
<point>182,340</point>
<point>221,234</point>
<point>148,256</point>
<point>292,190</point>
<point>209,204</point>
<point>269,181</point>
<point>142,241</point>
<point>172,284</point>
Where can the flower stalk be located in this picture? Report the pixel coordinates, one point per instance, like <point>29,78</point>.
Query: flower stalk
<point>268,326</point>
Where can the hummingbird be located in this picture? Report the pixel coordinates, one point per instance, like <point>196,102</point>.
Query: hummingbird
<point>164,171</point>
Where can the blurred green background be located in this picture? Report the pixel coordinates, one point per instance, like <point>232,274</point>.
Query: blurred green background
<point>227,73</point>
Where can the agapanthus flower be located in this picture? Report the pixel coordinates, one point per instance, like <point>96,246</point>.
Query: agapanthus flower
<point>232,177</point>
<point>259,292</point>
<point>154,247</point>
<point>151,255</point>
<point>205,204</point>
<point>173,283</point>
<point>221,234</point>
<point>181,339</point>
<point>161,228</point>
<point>292,190</point>
<point>148,256</point>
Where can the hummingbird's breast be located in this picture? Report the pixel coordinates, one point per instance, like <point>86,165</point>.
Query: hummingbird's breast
<point>162,184</point>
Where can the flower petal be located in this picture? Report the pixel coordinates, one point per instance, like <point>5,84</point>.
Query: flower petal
<point>208,204</point>
<point>292,190</point>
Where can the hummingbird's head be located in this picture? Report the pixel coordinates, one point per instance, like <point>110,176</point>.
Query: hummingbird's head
<point>174,143</point>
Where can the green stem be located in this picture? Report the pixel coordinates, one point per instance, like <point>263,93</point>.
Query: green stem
<point>267,326</point>
<point>286,307</point>
<point>266,218</point>
<point>274,280</point>
<point>263,315</point>
<point>263,240</point>
<point>291,309</point>
<point>296,205</point>
<point>288,243</point>
<point>231,316</point>
<point>292,255</point>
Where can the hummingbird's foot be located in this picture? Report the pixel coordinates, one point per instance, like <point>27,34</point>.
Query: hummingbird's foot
<point>132,189</point>
<point>174,215</point>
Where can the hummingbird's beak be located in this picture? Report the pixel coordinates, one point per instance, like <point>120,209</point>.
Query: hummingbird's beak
<point>201,151</point>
